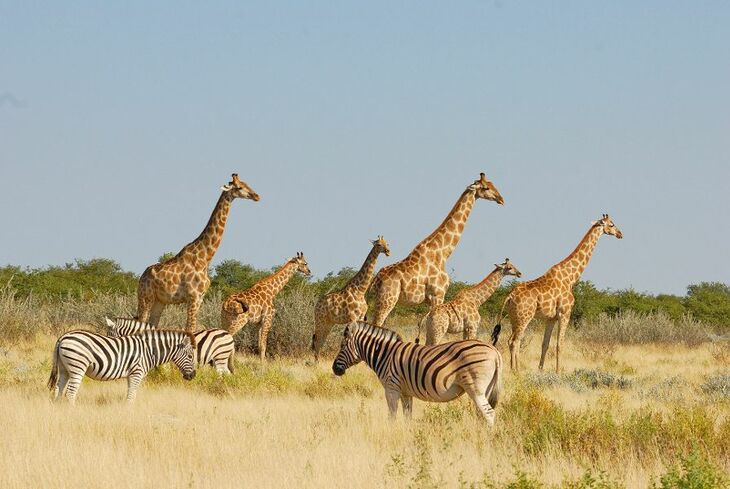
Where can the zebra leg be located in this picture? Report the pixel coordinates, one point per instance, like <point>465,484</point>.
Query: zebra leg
<point>407,402</point>
<point>221,366</point>
<point>61,384</point>
<point>74,382</point>
<point>546,340</point>
<point>483,406</point>
<point>133,381</point>
<point>392,396</point>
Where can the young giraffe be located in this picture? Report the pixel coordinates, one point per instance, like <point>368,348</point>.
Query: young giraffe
<point>256,304</point>
<point>184,278</point>
<point>461,314</point>
<point>551,296</point>
<point>422,274</point>
<point>347,304</point>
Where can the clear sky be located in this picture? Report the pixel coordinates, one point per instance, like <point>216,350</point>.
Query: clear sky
<point>119,121</point>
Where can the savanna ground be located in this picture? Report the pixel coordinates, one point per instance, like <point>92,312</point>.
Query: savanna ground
<point>644,401</point>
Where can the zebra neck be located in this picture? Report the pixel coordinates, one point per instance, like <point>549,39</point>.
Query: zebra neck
<point>375,351</point>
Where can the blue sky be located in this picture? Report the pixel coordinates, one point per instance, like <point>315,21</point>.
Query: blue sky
<point>119,122</point>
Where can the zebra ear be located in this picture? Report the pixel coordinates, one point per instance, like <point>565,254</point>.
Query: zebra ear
<point>347,332</point>
<point>109,322</point>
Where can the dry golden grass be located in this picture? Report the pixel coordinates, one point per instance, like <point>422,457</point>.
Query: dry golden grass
<point>292,424</point>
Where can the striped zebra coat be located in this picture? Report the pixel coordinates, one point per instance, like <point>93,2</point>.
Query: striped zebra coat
<point>437,373</point>
<point>100,357</point>
<point>215,347</point>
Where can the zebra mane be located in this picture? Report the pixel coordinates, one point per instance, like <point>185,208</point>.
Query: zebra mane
<point>153,331</point>
<point>388,334</point>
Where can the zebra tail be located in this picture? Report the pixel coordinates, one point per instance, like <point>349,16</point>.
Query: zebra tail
<point>494,386</point>
<point>53,379</point>
<point>230,362</point>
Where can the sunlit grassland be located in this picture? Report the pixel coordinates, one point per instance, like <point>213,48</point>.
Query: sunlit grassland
<point>621,417</point>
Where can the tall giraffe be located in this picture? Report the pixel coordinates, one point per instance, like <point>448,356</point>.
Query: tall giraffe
<point>551,296</point>
<point>256,304</point>
<point>422,274</point>
<point>347,304</point>
<point>184,277</point>
<point>461,314</point>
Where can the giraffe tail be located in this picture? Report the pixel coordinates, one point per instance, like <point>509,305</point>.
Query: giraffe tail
<point>498,326</point>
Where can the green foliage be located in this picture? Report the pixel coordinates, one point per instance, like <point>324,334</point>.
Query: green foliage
<point>232,276</point>
<point>166,256</point>
<point>694,472</point>
<point>709,302</point>
<point>82,279</point>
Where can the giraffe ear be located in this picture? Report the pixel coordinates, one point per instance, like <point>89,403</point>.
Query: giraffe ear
<point>244,306</point>
<point>226,188</point>
<point>593,223</point>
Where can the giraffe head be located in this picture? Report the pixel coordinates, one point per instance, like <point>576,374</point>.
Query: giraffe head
<point>381,245</point>
<point>485,189</point>
<point>608,226</point>
<point>302,265</point>
<point>508,268</point>
<point>238,189</point>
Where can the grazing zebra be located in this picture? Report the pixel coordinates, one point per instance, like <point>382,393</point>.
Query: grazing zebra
<point>215,346</point>
<point>438,373</point>
<point>100,357</point>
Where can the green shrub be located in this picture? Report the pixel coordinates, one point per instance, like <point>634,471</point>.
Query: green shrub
<point>694,472</point>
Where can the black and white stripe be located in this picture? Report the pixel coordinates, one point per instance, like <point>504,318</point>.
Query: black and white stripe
<point>438,373</point>
<point>215,347</point>
<point>100,357</point>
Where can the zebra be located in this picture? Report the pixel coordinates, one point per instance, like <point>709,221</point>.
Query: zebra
<point>437,373</point>
<point>78,353</point>
<point>215,347</point>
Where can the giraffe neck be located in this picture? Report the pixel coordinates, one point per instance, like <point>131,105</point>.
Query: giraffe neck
<point>207,243</point>
<point>574,264</point>
<point>479,293</point>
<point>361,281</point>
<point>280,278</point>
<point>445,238</point>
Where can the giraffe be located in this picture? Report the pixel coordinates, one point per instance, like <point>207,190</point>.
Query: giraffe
<point>347,304</point>
<point>422,274</point>
<point>551,296</point>
<point>461,314</point>
<point>256,304</point>
<point>184,277</point>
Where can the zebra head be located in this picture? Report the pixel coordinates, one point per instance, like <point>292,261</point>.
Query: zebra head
<point>183,356</point>
<point>349,354</point>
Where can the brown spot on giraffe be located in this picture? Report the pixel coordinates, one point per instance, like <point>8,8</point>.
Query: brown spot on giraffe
<point>421,276</point>
<point>184,277</point>
<point>256,304</point>
<point>461,314</point>
<point>551,296</point>
<point>347,304</point>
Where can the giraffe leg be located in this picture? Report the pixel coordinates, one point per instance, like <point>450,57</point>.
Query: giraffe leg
<point>264,334</point>
<point>546,340</point>
<point>515,341</point>
<point>385,301</point>
<point>470,329</point>
<point>193,308</point>
<point>321,331</point>
<point>145,302</point>
<point>155,313</point>
<point>562,327</point>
